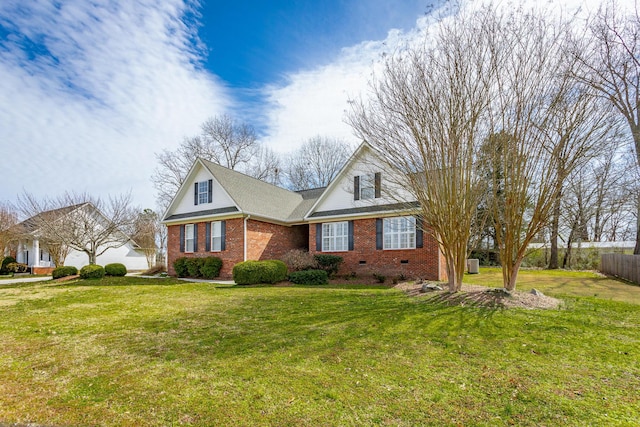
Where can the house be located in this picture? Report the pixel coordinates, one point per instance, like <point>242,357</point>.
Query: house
<point>34,249</point>
<point>361,216</point>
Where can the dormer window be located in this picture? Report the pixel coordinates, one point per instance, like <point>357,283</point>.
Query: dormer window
<point>203,192</point>
<point>367,186</point>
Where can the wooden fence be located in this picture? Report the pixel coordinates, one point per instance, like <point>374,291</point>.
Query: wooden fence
<point>624,266</point>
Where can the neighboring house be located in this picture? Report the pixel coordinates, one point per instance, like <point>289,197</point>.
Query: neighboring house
<point>218,211</point>
<point>31,251</point>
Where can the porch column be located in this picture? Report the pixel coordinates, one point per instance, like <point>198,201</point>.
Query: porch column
<point>19,254</point>
<point>36,253</point>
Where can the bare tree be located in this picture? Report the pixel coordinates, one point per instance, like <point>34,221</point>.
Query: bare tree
<point>80,221</point>
<point>145,233</point>
<point>426,117</point>
<point>316,163</point>
<point>552,123</point>
<point>8,219</point>
<point>611,65</point>
<point>222,140</point>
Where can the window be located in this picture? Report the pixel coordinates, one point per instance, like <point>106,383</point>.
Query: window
<point>335,236</point>
<point>216,236</point>
<point>367,186</point>
<point>189,238</point>
<point>203,192</point>
<point>400,232</point>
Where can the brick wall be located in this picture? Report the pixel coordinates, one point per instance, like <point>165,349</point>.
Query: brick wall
<point>264,241</point>
<point>364,259</point>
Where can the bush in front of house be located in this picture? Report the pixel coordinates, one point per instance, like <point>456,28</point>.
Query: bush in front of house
<point>64,271</point>
<point>328,263</point>
<point>309,277</point>
<point>211,267</point>
<point>298,260</point>
<point>193,267</point>
<point>255,272</point>
<point>115,269</point>
<point>180,267</point>
<point>17,267</point>
<point>92,271</point>
<point>5,262</point>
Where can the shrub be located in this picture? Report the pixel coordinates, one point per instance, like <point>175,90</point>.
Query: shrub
<point>309,277</point>
<point>17,267</point>
<point>254,272</point>
<point>180,266</point>
<point>92,271</point>
<point>64,271</point>
<point>194,265</point>
<point>328,263</point>
<point>211,267</point>
<point>115,269</point>
<point>6,261</point>
<point>381,278</point>
<point>298,260</point>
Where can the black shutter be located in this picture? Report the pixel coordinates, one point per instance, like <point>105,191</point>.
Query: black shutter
<point>378,179</point>
<point>379,235</point>
<point>195,237</point>
<point>350,235</point>
<point>210,191</point>
<point>195,194</point>
<point>223,232</point>
<point>318,237</point>
<point>419,233</point>
<point>182,238</point>
<point>207,232</point>
<point>356,188</point>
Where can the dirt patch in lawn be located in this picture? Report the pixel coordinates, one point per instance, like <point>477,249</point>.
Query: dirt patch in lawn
<point>480,296</point>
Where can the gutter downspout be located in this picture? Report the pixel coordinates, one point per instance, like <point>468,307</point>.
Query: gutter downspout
<point>246,218</point>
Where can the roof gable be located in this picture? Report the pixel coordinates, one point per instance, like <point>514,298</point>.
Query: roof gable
<point>239,193</point>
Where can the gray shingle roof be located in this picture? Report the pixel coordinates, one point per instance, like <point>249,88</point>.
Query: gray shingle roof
<point>260,198</point>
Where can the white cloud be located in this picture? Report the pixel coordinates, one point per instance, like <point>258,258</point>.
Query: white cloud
<point>104,86</point>
<point>314,101</point>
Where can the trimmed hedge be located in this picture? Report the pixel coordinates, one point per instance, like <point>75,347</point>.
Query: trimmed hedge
<point>92,272</point>
<point>180,266</point>
<point>207,268</point>
<point>115,269</point>
<point>328,263</point>
<point>64,271</point>
<point>194,265</point>
<point>211,267</point>
<point>309,277</point>
<point>255,272</point>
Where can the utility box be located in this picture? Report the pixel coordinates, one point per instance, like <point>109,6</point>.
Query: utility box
<point>473,266</point>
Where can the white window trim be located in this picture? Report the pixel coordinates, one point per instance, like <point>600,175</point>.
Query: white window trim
<point>329,236</point>
<point>369,178</point>
<point>216,232</point>
<point>411,234</point>
<point>188,227</point>
<point>203,196</point>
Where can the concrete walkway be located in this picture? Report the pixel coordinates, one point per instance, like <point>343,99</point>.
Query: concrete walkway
<point>24,280</point>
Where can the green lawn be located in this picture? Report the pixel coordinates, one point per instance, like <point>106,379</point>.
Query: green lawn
<point>137,352</point>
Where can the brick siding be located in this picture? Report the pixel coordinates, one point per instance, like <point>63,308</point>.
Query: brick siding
<point>265,241</point>
<point>365,259</point>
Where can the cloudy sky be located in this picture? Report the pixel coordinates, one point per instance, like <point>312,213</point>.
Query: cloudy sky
<point>91,89</point>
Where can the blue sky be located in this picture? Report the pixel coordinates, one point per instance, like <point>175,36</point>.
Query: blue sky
<point>90,90</point>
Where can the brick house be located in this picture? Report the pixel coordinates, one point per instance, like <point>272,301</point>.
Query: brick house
<point>361,216</point>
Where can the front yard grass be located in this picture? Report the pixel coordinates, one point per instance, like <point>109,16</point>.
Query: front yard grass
<point>155,352</point>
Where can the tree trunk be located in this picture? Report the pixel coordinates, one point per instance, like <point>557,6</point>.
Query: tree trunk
<point>555,225</point>
<point>636,250</point>
<point>92,258</point>
<point>510,275</point>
